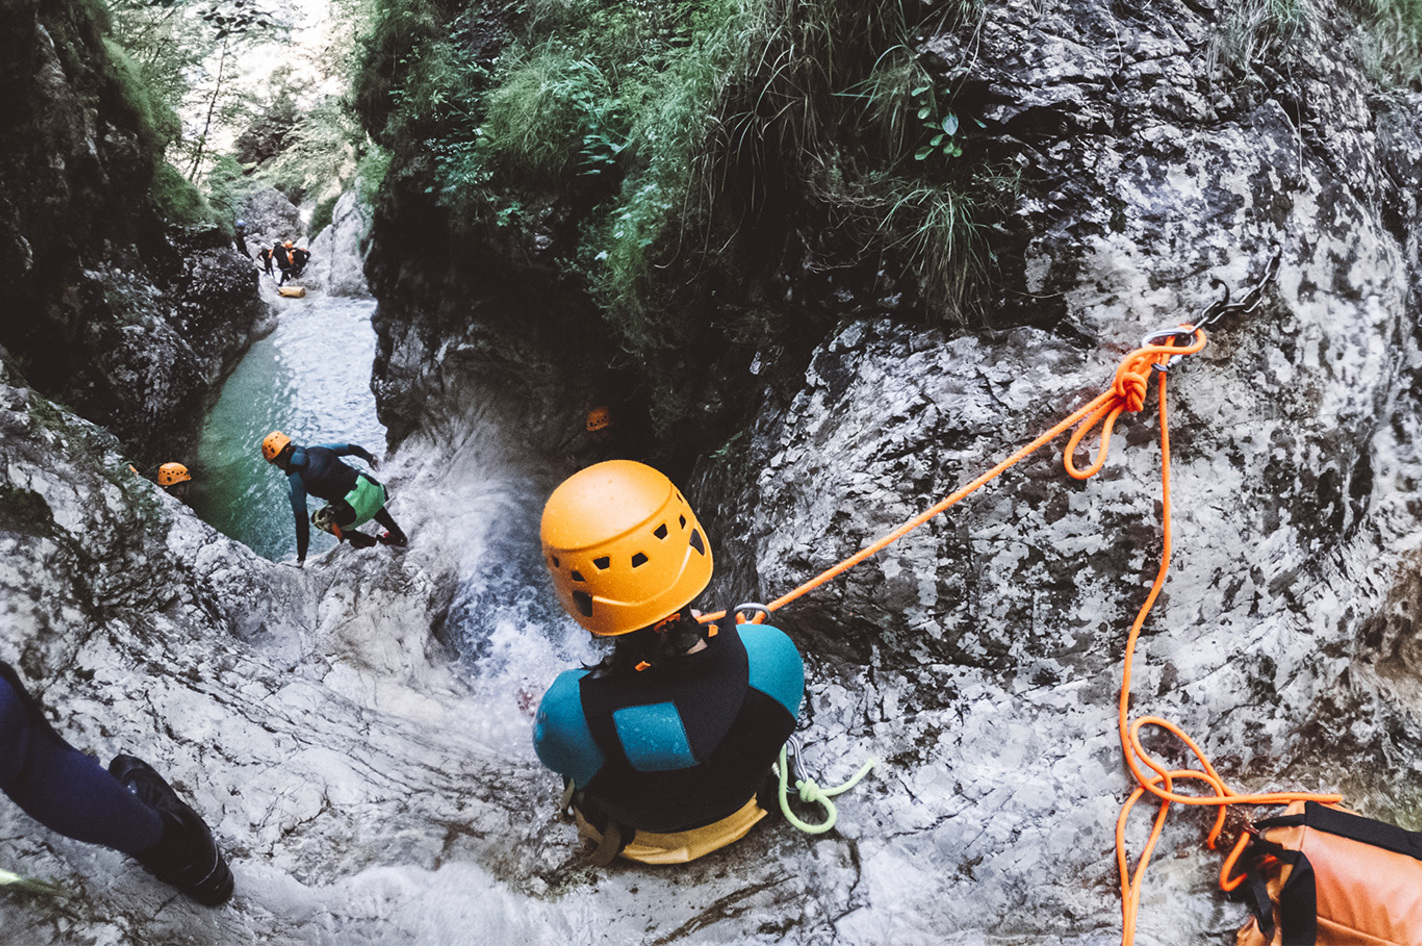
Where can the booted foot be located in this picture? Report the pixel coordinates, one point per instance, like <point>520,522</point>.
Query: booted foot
<point>398,540</point>
<point>360,540</point>
<point>186,856</point>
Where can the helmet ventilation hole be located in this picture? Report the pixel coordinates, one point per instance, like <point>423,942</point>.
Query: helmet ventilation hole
<point>554,560</point>
<point>601,564</point>
<point>578,576</point>
<point>660,531</point>
<point>696,542</point>
<point>584,602</point>
<point>639,559</point>
<point>683,521</point>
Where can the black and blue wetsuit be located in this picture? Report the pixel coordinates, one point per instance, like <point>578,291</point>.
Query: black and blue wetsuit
<point>61,787</point>
<point>318,470</point>
<point>682,744</point>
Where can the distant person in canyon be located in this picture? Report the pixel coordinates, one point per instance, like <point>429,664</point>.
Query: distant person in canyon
<point>175,480</point>
<point>265,258</point>
<point>281,255</point>
<point>239,236</point>
<point>354,497</point>
<point>290,259</point>
<point>299,259</point>
<point>666,747</point>
<point>613,429</point>
<point>128,807</point>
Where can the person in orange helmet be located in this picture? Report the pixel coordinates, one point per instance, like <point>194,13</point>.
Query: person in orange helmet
<point>175,480</point>
<point>354,498</point>
<point>666,746</point>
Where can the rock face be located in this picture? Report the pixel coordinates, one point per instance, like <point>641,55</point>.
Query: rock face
<point>980,657</point>
<point>337,256</point>
<point>358,733</point>
<point>270,218</point>
<point>129,324</point>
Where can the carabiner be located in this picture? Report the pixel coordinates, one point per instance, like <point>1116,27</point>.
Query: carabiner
<point>750,606</point>
<point>1184,334</point>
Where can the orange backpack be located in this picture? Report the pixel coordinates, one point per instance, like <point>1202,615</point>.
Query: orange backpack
<point>1323,876</point>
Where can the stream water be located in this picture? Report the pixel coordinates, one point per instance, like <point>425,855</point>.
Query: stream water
<point>311,379</point>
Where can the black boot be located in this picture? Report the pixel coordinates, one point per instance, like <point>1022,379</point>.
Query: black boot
<point>186,856</point>
<point>360,540</point>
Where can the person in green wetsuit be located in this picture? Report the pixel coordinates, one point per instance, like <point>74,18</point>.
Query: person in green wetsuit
<point>354,498</point>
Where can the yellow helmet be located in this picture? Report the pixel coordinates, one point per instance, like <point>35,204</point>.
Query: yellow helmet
<point>623,547</point>
<point>273,444</point>
<point>171,474</point>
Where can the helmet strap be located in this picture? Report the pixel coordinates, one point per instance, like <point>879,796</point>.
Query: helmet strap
<point>649,647</point>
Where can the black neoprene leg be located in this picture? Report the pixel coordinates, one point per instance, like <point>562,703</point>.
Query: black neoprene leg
<point>396,534</point>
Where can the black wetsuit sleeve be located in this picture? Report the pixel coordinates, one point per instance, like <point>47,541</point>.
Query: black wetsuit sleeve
<point>350,450</point>
<point>298,509</point>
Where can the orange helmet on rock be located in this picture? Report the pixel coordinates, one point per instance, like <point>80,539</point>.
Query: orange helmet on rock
<point>171,474</point>
<point>599,418</point>
<point>623,547</point>
<point>273,444</point>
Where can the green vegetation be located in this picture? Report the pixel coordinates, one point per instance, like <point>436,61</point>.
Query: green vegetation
<point>1393,45</point>
<point>690,138</point>
<point>1286,31</point>
<point>1264,29</point>
<point>177,199</point>
<point>188,56</point>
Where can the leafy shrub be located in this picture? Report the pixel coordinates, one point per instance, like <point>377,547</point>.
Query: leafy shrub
<point>228,188</point>
<point>176,199</point>
<point>157,124</point>
<point>321,214</point>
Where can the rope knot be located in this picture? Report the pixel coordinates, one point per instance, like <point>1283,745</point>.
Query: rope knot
<point>1133,380</point>
<point>810,792</point>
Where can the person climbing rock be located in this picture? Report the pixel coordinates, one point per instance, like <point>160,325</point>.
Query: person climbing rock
<point>239,236</point>
<point>354,497</point>
<point>299,258</point>
<point>265,258</point>
<point>128,807</point>
<point>666,746</point>
<point>281,255</point>
<point>175,480</point>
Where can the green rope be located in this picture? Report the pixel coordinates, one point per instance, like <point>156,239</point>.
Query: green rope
<point>810,793</point>
<point>20,882</point>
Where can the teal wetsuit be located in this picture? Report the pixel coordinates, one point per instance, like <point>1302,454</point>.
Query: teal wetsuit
<point>682,744</point>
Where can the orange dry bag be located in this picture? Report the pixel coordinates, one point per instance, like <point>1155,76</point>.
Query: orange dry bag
<point>1323,876</point>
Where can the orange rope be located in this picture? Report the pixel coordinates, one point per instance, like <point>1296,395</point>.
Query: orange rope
<point>1127,393</point>
<point>1161,784</point>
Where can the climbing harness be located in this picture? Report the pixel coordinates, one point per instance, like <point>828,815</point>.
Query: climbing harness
<point>325,520</point>
<point>1158,352</point>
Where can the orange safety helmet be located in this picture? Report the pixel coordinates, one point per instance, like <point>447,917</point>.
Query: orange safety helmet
<point>599,418</point>
<point>623,547</point>
<point>273,444</point>
<point>171,474</point>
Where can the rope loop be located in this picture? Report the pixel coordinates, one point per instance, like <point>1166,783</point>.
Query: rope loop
<point>812,794</point>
